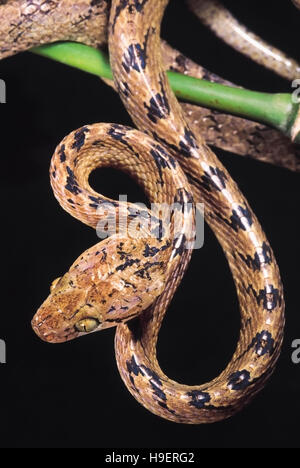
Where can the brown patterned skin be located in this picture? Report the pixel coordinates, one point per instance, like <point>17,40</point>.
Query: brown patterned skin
<point>122,275</point>
<point>228,132</point>
<point>25,24</point>
<point>243,137</point>
<point>29,23</point>
<point>134,43</point>
<point>219,19</point>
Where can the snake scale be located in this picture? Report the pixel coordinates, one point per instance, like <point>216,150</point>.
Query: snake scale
<point>127,281</point>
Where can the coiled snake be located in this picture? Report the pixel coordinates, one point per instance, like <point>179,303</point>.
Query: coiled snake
<point>128,281</point>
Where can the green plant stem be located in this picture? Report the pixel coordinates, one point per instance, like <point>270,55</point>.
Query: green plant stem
<point>277,110</point>
<point>273,109</point>
<point>77,55</point>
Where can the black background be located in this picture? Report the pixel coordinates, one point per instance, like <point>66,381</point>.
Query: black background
<point>71,395</point>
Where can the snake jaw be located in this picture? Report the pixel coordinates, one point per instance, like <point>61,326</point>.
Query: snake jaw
<point>46,333</point>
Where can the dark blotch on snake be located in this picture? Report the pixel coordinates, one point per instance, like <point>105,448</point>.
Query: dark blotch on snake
<point>199,399</point>
<point>79,138</point>
<point>239,380</point>
<point>62,154</point>
<point>187,143</point>
<point>72,184</point>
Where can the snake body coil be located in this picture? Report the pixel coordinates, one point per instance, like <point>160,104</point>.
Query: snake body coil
<point>119,280</point>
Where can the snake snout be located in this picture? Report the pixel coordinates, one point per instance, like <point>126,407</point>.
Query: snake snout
<point>51,335</point>
<point>48,329</point>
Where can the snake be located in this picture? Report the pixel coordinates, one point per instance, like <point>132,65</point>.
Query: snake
<point>219,19</point>
<point>29,23</point>
<point>128,281</point>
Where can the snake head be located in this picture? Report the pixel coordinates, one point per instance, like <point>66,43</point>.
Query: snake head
<point>109,283</point>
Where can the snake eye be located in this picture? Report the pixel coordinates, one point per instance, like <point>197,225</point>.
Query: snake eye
<point>87,325</point>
